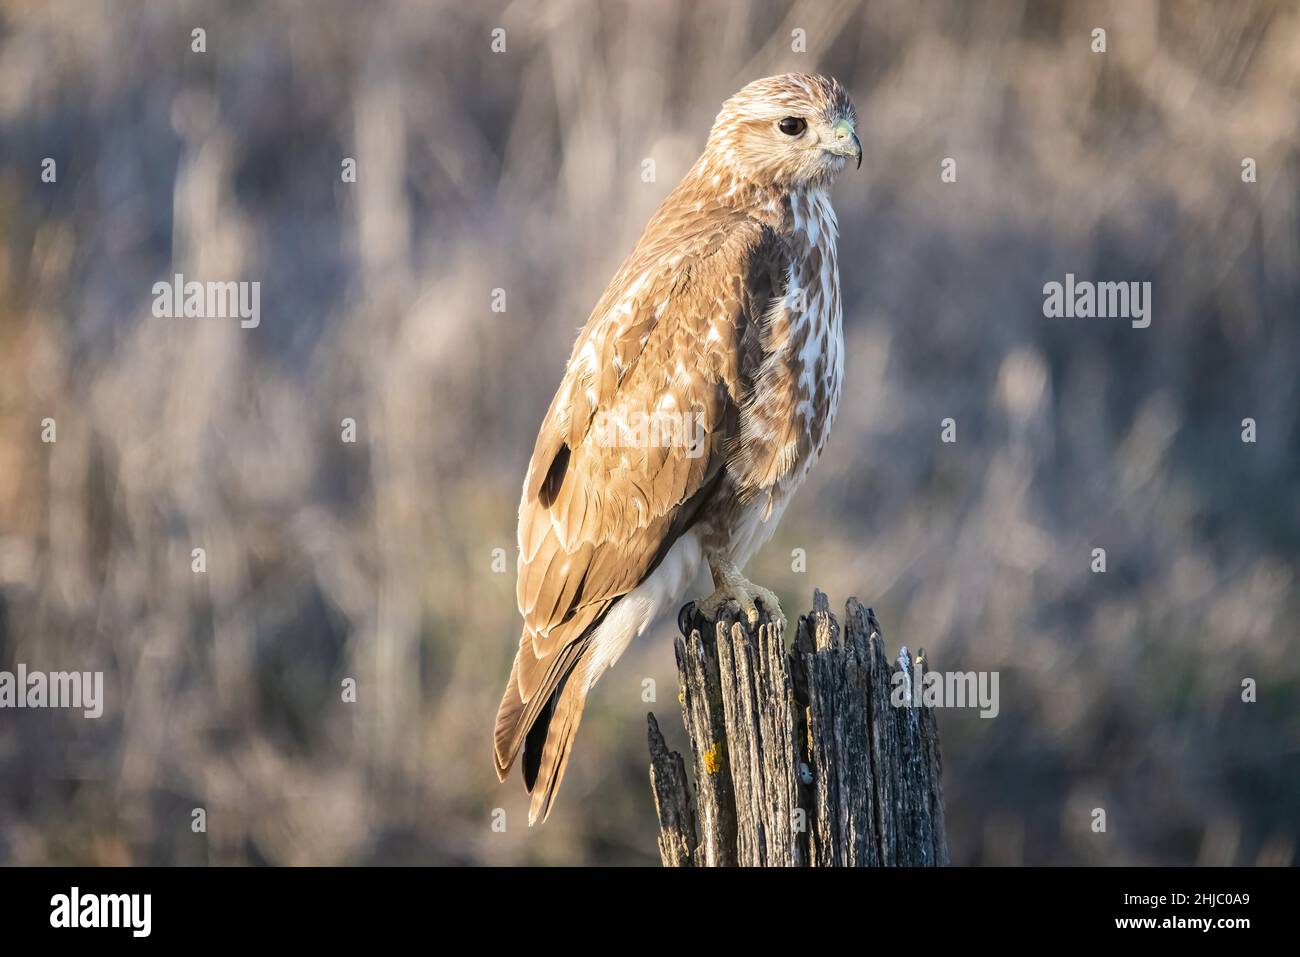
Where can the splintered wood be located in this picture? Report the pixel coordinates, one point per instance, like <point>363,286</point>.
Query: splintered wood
<point>800,757</point>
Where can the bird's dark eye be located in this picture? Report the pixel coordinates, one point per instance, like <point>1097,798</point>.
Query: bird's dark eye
<point>792,125</point>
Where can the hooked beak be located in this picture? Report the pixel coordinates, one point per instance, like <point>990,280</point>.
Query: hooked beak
<point>845,142</point>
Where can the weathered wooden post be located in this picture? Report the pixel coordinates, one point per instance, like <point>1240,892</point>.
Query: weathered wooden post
<point>800,758</point>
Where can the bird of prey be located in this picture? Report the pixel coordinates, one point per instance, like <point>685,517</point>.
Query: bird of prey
<point>697,397</point>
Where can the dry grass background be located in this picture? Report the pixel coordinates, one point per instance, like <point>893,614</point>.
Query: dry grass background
<point>522,171</point>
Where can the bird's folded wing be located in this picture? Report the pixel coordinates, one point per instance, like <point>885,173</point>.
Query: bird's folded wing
<point>642,422</point>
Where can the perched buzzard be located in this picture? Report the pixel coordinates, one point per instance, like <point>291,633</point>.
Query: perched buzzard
<point>697,398</point>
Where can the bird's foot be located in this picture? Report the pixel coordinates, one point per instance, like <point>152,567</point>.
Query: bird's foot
<point>731,585</point>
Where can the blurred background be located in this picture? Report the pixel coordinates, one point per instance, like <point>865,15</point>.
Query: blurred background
<point>522,171</point>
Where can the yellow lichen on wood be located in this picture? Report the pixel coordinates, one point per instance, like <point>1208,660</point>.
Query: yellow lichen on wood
<point>713,759</point>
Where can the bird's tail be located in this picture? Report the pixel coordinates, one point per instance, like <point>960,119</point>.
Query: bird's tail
<point>547,732</point>
<point>550,740</point>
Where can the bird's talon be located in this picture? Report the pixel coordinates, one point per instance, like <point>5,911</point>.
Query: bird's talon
<point>685,615</point>
<point>734,587</point>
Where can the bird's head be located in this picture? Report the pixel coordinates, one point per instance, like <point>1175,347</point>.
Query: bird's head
<point>790,131</point>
